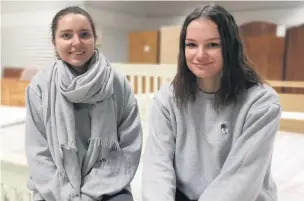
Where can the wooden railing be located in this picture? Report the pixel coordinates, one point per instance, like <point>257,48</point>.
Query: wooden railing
<point>146,79</point>
<point>289,84</point>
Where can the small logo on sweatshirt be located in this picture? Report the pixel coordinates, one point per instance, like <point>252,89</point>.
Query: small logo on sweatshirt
<point>224,129</point>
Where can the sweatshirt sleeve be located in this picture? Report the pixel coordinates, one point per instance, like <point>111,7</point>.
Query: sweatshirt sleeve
<point>43,175</point>
<point>243,173</point>
<point>123,164</point>
<point>159,181</point>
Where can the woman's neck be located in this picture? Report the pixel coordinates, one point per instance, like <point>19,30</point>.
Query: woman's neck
<point>209,85</point>
<point>79,70</point>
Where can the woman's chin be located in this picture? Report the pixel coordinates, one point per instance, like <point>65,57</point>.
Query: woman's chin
<point>76,62</point>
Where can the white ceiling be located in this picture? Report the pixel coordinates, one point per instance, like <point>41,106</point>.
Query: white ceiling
<point>144,7</point>
<point>181,8</point>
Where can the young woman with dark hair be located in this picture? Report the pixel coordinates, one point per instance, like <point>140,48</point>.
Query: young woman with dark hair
<point>213,128</point>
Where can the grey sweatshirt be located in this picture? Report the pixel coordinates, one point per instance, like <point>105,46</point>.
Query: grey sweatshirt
<point>211,156</point>
<point>111,178</point>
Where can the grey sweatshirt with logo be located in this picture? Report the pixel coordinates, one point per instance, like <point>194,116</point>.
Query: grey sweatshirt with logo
<point>212,156</point>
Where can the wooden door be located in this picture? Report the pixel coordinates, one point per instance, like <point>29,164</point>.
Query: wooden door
<point>257,28</point>
<point>144,47</point>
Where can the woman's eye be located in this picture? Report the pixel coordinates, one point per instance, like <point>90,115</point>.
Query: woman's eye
<point>85,35</point>
<point>212,45</point>
<point>190,45</point>
<point>66,35</point>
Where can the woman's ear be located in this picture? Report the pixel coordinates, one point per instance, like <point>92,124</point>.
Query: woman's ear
<point>55,50</point>
<point>54,43</point>
<point>98,39</point>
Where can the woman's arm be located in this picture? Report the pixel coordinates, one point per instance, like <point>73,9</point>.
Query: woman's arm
<point>46,182</point>
<point>243,173</point>
<point>119,170</point>
<point>159,182</point>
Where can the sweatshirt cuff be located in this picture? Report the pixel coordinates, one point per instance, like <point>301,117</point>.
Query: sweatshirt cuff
<point>84,197</point>
<point>75,199</point>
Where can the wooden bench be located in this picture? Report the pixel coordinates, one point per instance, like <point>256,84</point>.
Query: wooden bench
<point>293,107</point>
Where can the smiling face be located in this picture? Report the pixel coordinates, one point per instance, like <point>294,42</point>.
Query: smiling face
<point>203,50</point>
<point>74,39</point>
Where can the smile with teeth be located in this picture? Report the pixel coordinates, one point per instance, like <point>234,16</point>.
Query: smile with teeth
<point>77,53</point>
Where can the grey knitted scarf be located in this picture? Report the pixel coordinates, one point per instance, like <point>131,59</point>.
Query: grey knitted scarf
<point>94,87</point>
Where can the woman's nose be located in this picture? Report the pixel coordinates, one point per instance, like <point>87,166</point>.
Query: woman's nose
<point>76,40</point>
<point>201,53</point>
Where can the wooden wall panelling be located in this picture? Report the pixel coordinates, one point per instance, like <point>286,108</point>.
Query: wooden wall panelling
<point>258,28</point>
<point>13,92</point>
<point>266,54</point>
<point>12,72</point>
<point>264,49</point>
<point>294,60</point>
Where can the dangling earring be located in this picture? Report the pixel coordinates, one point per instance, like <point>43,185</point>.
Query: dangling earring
<point>57,55</point>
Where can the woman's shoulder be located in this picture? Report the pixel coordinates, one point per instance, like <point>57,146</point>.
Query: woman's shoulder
<point>261,95</point>
<point>121,84</point>
<point>165,95</point>
<point>41,80</point>
<point>118,77</point>
<point>123,90</point>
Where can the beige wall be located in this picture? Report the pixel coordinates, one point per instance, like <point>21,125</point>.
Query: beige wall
<point>169,44</point>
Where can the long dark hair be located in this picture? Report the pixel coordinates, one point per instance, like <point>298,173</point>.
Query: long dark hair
<point>238,74</point>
